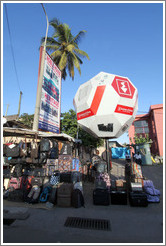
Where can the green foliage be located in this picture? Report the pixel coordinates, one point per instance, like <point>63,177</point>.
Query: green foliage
<point>27,119</point>
<point>69,126</point>
<point>140,139</point>
<point>69,123</point>
<point>64,48</point>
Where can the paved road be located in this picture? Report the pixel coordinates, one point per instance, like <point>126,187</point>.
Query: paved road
<point>128,224</point>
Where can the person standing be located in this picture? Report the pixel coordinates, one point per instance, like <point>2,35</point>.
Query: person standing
<point>138,159</point>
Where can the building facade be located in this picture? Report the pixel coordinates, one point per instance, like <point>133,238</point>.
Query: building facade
<point>151,124</point>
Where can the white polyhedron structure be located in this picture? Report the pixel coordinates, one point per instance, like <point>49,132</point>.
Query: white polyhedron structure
<point>106,105</point>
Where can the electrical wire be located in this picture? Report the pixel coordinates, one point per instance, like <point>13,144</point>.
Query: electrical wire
<point>12,47</point>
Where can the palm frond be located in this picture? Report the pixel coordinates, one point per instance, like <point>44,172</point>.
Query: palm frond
<point>63,61</point>
<point>76,63</point>
<point>56,53</point>
<point>81,53</point>
<point>78,37</point>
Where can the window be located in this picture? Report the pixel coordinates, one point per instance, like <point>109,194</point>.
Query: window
<point>141,126</point>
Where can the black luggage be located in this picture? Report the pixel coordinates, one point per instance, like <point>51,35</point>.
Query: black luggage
<point>15,195</point>
<point>65,177</point>
<point>138,199</point>
<point>52,197</point>
<point>101,197</point>
<point>100,184</point>
<point>118,197</point>
<point>77,199</point>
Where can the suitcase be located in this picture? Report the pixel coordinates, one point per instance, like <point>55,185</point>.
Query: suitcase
<point>100,184</point>
<point>77,199</point>
<point>64,201</point>
<point>65,177</point>
<point>101,197</point>
<point>52,197</point>
<point>15,182</point>
<point>118,197</point>
<point>136,186</point>
<point>138,199</point>
<point>64,191</point>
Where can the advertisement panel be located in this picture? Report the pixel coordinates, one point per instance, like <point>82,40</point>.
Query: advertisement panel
<point>49,117</point>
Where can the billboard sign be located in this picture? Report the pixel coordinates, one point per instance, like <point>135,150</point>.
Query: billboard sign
<point>49,117</point>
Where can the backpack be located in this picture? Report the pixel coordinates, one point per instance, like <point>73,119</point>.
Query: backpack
<point>13,150</point>
<point>66,149</point>
<point>17,171</point>
<point>33,195</point>
<point>45,194</point>
<point>44,145</point>
<point>15,182</point>
<point>77,199</point>
<point>26,183</point>
<point>54,152</point>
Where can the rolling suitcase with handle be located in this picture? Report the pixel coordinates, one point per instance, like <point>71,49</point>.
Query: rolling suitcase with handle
<point>101,197</point>
<point>138,199</point>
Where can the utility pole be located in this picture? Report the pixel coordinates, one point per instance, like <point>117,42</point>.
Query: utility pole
<point>40,81</point>
<point>7,109</point>
<point>19,106</point>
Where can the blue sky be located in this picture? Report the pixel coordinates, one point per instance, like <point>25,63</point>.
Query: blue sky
<point>122,38</point>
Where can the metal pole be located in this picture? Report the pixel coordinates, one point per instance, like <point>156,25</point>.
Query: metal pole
<point>107,155</point>
<point>39,90</point>
<point>7,109</point>
<point>19,106</point>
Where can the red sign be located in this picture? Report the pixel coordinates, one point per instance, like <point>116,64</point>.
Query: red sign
<point>95,104</point>
<point>123,87</point>
<point>124,109</point>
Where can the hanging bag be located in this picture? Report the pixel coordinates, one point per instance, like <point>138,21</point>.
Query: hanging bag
<point>44,145</point>
<point>23,148</point>
<point>34,148</point>
<point>12,150</point>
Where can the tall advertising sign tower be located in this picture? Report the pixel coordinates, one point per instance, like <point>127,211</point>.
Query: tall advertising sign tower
<point>49,114</point>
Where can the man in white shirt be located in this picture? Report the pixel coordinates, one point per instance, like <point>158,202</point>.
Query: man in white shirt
<point>138,158</point>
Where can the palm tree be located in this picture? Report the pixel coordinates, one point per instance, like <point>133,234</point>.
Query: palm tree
<point>64,48</point>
